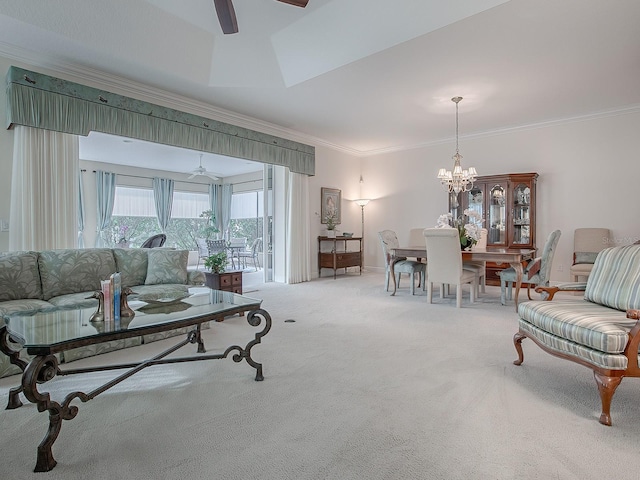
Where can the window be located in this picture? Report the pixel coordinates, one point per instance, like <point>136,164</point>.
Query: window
<point>134,217</point>
<point>246,216</point>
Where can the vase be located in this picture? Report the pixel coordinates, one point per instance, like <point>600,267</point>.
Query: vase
<point>331,234</point>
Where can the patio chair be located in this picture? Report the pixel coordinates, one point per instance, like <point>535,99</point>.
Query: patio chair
<point>252,253</point>
<point>154,241</point>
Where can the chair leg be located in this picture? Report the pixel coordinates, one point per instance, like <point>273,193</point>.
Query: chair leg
<point>459,295</point>
<point>474,289</point>
<point>386,281</point>
<point>503,292</point>
<point>430,292</point>
<point>413,283</point>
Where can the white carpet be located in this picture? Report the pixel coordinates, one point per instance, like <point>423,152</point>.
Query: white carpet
<point>361,386</point>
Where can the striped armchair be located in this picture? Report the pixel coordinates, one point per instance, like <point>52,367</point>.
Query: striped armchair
<point>601,330</point>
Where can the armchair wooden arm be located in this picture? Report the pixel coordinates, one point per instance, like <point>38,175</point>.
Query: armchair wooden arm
<point>563,287</point>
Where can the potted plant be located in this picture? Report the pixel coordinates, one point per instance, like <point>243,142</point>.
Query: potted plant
<point>216,262</point>
<point>330,221</point>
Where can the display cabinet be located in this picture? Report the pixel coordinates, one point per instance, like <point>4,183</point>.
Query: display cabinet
<point>507,205</point>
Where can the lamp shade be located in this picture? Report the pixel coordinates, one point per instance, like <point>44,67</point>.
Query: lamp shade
<point>362,201</point>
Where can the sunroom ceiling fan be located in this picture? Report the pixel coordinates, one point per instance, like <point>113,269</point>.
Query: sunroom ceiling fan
<point>227,15</point>
<point>202,171</point>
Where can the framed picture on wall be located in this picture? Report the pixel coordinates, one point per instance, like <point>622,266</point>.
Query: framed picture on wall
<point>330,205</point>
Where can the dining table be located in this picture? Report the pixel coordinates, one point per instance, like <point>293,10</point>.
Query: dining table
<point>513,256</point>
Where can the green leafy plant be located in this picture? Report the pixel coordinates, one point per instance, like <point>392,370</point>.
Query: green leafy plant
<point>210,227</point>
<point>216,262</point>
<point>330,221</point>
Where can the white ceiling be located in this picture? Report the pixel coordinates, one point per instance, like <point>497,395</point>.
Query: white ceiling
<point>364,76</point>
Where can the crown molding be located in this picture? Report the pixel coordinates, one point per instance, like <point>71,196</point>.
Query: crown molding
<point>627,110</point>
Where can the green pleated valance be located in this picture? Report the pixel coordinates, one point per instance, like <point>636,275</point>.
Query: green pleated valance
<point>42,101</point>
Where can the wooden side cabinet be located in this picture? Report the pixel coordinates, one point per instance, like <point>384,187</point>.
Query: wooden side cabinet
<point>341,255</point>
<point>227,281</point>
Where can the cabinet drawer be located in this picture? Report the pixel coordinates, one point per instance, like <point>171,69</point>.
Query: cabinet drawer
<point>236,279</point>
<point>225,281</point>
<point>348,259</point>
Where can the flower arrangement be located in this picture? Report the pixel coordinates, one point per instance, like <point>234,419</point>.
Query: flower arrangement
<point>468,226</point>
<point>330,220</point>
<point>122,233</point>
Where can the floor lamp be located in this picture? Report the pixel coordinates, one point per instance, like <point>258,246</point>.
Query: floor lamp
<point>362,202</point>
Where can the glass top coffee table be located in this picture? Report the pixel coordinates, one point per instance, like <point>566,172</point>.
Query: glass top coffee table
<point>45,334</point>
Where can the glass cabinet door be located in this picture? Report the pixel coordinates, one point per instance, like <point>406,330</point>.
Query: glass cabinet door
<point>521,215</point>
<point>475,200</point>
<point>497,216</point>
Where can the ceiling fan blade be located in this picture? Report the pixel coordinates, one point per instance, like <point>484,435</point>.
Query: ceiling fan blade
<point>297,3</point>
<point>191,176</point>
<point>226,16</point>
<point>211,176</point>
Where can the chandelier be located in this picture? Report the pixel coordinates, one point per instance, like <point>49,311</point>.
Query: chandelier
<point>458,180</point>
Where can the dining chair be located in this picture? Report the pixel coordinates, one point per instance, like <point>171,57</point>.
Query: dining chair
<point>444,265</point>
<point>587,243</point>
<point>389,241</point>
<point>478,266</point>
<point>537,271</point>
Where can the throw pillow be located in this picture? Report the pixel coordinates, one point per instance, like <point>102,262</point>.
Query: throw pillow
<point>586,257</point>
<point>19,276</point>
<point>74,270</point>
<point>166,266</point>
<point>132,264</point>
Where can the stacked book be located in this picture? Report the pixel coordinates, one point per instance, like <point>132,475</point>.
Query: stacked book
<point>112,290</point>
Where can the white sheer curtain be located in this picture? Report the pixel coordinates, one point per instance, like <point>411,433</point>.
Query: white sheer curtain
<point>44,190</point>
<point>297,247</point>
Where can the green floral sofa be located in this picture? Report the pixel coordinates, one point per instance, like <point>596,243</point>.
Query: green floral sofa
<point>46,280</point>
<point>601,330</point>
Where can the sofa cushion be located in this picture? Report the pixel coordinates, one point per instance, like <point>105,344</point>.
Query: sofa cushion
<point>132,263</point>
<point>159,292</point>
<point>19,276</point>
<point>74,270</point>
<point>167,266</point>
<point>613,361</point>
<point>615,278</point>
<point>78,300</point>
<point>585,323</point>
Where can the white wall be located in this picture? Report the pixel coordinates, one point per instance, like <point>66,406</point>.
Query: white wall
<point>588,171</point>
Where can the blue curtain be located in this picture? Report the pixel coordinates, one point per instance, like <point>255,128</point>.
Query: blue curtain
<point>214,202</point>
<point>80,212</point>
<point>227,191</point>
<point>105,193</point>
<point>163,196</point>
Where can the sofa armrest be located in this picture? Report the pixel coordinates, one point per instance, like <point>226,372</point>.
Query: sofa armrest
<point>196,277</point>
<point>561,287</point>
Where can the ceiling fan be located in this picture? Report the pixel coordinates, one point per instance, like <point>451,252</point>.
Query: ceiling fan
<point>227,15</point>
<point>202,171</point>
